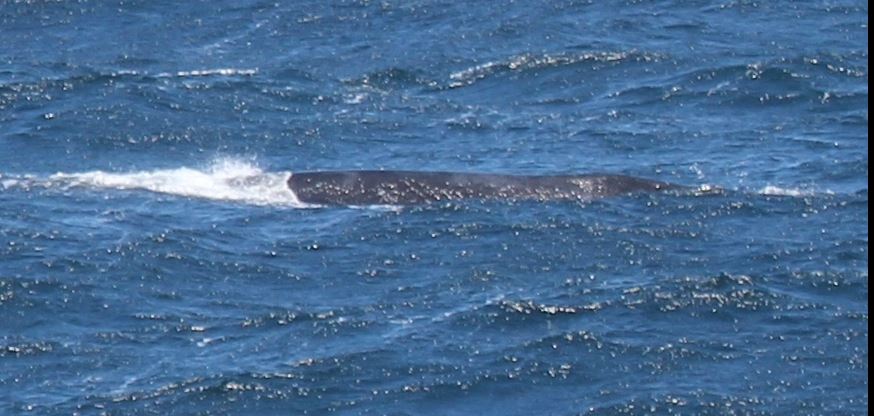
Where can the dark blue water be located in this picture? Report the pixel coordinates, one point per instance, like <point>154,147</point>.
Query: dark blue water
<point>152,260</point>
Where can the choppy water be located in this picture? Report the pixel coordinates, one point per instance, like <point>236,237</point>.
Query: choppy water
<point>152,260</point>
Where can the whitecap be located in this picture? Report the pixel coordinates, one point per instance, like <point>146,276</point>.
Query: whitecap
<point>225,179</point>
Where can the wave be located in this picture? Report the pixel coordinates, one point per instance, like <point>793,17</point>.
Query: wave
<point>84,76</point>
<point>391,77</point>
<point>525,62</point>
<point>225,180</point>
<point>226,72</point>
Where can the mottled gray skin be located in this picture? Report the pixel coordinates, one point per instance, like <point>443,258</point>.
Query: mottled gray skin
<point>411,188</point>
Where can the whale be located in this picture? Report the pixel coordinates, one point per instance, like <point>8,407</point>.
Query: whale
<point>399,187</point>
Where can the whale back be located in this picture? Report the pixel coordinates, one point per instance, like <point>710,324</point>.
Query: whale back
<point>411,187</point>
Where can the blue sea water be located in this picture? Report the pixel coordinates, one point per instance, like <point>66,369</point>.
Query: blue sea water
<point>152,260</point>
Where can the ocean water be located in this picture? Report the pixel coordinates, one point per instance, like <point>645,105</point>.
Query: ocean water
<point>152,260</point>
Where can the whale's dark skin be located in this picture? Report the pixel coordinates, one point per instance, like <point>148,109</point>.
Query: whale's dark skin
<point>392,187</point>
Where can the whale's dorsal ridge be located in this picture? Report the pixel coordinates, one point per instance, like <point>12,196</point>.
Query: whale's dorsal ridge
<point>402,187</point>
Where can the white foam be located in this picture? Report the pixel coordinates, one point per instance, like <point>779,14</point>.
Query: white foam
<point>16,181</point>
<point>227,72</point>
<point>225,179</point>
<point>8,183</point>
<point>778,191</point>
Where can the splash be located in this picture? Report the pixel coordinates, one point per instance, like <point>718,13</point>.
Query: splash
<point>224,179</point>
<point>771,190</point>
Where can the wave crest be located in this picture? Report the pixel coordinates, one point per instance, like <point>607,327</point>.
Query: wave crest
<point>529,61</point>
